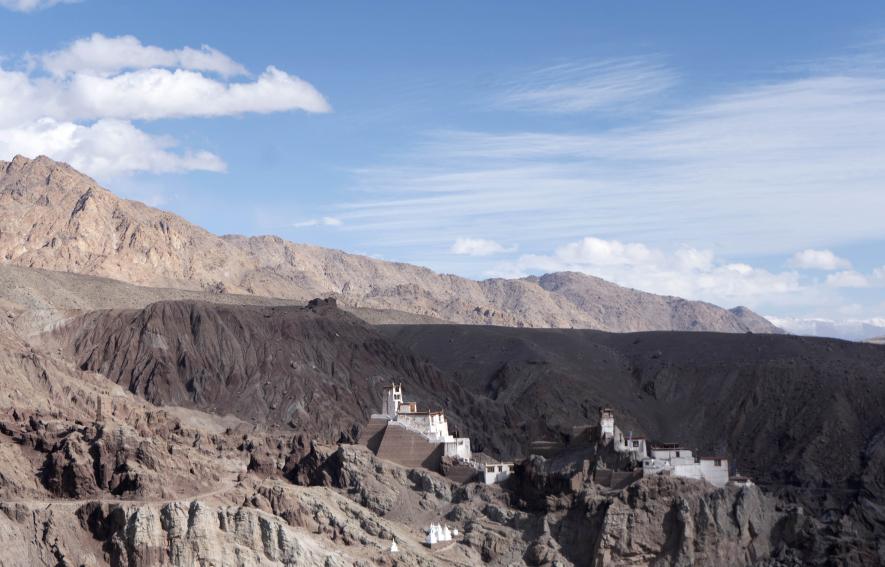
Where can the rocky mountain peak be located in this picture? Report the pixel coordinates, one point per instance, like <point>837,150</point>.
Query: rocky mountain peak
<point>77,226</point>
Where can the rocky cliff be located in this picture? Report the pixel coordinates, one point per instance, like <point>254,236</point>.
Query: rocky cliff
<point>93,474</point>
<point>55,218</point>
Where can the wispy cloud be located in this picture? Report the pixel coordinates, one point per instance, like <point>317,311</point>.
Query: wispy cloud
<point>324,221</point>
<point>31,5</point>
<point>580,87</point>
<point>748,171</point>
<point>99,54</point>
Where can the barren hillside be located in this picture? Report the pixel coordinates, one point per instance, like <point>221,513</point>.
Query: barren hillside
<point>54,217</point>
<point>316,370</point>
<point>88,462</point>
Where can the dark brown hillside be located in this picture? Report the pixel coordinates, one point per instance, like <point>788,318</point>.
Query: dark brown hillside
<point>788,410</point>
<point>317,370</point>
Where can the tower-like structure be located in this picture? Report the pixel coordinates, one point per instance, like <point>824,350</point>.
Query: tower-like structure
<point>607,423</point>
<point>393,397</point>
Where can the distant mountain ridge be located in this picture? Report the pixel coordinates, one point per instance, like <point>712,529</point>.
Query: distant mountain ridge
<point>54,217</point>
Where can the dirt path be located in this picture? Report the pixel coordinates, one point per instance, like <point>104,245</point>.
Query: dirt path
<point>77,502</point>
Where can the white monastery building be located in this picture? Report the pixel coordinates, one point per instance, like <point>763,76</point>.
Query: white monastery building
<point>621,443</point>
<point>497,472</point>
<point>430,424</point>
<point>678,461</point>
<point>667,459</point>
<point>412,438</point>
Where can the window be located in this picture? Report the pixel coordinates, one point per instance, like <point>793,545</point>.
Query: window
<point>717,463</point>
<point>677,453</point>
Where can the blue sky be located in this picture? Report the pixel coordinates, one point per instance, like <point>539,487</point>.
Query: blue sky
<point>728,152</point>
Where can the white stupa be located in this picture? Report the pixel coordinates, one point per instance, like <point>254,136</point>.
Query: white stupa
<point>437,533</point>
<point>393,547</point>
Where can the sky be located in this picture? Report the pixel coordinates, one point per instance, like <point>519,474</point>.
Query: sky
<point>727,152</point>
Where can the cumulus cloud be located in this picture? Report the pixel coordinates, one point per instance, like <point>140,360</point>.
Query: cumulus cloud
<point>477,247</point>
<point>104,148</point>
<point>847,278</point>
<point>323,221</point>
<point>160,93</point>
<point>688,272</point>
<point>102,55</point>
<point>78,104</point>
<point>818,260</point>
<point>31,5</point>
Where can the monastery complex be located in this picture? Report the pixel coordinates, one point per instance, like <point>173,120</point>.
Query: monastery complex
<point>413,438</point>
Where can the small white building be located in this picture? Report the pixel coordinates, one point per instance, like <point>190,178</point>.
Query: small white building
<point>437,533</point>
<point>740,480</point>
<point>393,397</point>
<point>671,459</point>
<point>631,444</point>
<point>714,470</point>
<point>497,472</point>
<point>431,424</point>
<point>607,423</point>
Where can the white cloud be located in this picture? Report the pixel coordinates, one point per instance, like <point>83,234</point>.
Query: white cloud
<point>578,87</point>
<point>765,156</point>
<point>102,55</point>
<point>477,247</point>
<point>847,278</point>
<point>159,93</point>
<point>688,272</point>
<point>818,260</point>
<point>150,94</point>
<point>598,252</point>
<point>31,5</point>
<point>78,104</point>
<point>324,221</point>
<point>105,148</point>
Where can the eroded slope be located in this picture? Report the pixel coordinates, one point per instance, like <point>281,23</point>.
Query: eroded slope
<point>54,217</point>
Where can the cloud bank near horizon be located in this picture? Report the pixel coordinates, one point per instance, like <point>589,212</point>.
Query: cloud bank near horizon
<point>743,172</point>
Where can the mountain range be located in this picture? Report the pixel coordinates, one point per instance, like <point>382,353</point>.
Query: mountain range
<point>54,217</point>
<point>169,396</point>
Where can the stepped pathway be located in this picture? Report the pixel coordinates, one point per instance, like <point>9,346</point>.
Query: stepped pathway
<point>409,448</point>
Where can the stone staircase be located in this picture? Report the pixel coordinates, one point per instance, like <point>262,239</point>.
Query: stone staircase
<point>409,448</point>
